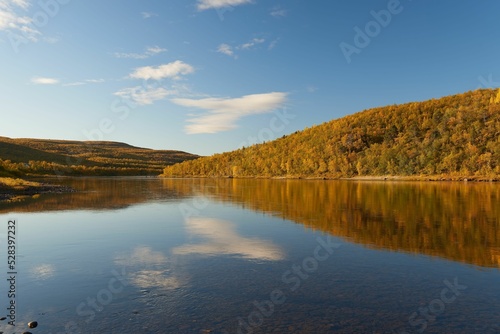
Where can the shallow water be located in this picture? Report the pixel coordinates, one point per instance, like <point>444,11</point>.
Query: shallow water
<point>146,255</point>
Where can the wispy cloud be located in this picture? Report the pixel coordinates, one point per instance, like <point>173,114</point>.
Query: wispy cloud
<point>223,113</point>
<point>85,82</point>
<point>151,51</point>
<point>215,4</point>
<point>147,15</point>
<point>230,50</point>
<point>226,49</point>
<point>252,43</point>
<point>44,81</point>
<point>51,40</point>
<point>222,239</point>
<point>172,70</point>
<point>77,83</point>
<point>11,18</point>
<point>278,12</point>
<point>145,95</point>
<point>95,80</point>
<point>311,89</point>
<point>273,44</point>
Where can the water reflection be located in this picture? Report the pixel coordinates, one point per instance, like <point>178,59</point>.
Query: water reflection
<point>148,269</point>
<point>42,272</point>
<point>456,221</point>
<point>222,239</point>
<point>107,193</point>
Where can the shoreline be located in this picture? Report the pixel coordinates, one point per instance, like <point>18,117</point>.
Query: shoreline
<point>403,178</point>
<point>17,188</point>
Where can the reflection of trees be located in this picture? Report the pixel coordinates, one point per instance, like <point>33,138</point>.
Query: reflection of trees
<point>456,221</point>
<point>97,194</point>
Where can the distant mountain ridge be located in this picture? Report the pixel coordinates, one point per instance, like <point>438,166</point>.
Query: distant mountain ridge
<point>67,157</point>
<point>456,136</point>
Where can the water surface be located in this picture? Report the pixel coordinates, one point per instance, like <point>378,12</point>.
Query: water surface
<point>147,255</point>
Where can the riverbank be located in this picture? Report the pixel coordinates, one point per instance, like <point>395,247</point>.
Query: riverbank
<point>15,188</point>
<point>357,178</point>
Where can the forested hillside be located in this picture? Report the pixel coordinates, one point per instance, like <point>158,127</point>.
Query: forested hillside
<point>456,136</point>
<point>19,157</point>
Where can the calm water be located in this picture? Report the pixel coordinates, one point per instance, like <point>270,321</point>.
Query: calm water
<point>256,256</point>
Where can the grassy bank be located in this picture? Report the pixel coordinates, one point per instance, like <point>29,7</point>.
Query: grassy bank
<point>15,188</point>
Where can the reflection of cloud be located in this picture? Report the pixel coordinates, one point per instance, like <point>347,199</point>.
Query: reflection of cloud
<point>224,240</point>
<point>152,271</point>
<point>154,279</point>
<point>142,256</point>
<point>43,271</point>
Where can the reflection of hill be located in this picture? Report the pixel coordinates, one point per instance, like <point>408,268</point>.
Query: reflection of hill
<point>456,221</point>
<point>96,194</point>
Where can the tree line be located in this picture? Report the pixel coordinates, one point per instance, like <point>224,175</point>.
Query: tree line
<point>456,136</point>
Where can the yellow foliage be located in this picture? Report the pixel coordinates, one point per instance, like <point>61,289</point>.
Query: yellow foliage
<point>454,135</point>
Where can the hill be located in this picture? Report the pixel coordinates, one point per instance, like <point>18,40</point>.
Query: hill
<point>59,157</point>
<point>454,136</point>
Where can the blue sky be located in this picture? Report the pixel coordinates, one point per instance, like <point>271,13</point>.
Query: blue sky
<point>207,76</point>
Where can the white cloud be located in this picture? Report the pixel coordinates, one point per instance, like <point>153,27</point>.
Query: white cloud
<point>172,70</point>
<point>151,51</point>
<point>81,83</point>
<point>224,113</point>
<point>222,239</point>
<point>147,15</point>
<point>95,80</point>
<point>226,49</point>
<point>208,4</point>
<point>44,81</point>
<point>145,95</point>
<point>252,43</point>
<point>12,20</point>
<point>78,83</point>
<point>229,50</point>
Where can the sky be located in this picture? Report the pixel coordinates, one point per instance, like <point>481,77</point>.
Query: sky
<point>210,76</point>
